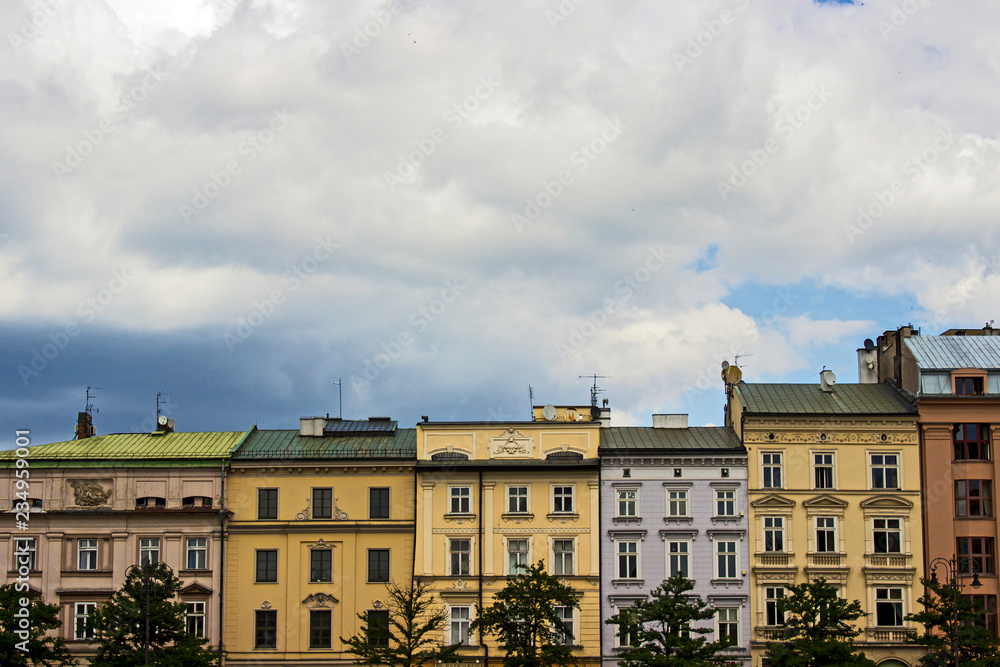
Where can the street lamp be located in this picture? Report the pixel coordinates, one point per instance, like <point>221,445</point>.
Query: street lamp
<point>955,565</point>
<point>145,572</point>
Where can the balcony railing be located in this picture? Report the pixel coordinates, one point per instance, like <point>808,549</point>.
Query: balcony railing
<point>768,634</point>
<point>888,560</point>
<point>897,635</point>
<point>826,560</point>
<point>773,559</point>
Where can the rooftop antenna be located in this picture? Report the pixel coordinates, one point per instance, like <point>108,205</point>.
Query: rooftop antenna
<point>736,359</point>
<point>340,397</point>
<point>89,407</point>
<point>594,391</point>
<point>531,402</point>
<point>158,394</point>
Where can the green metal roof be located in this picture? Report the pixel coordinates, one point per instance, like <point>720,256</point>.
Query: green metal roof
<point>809,399</point>
<point>648,439</point>
<point>133,449</point>
<point>289,444</point>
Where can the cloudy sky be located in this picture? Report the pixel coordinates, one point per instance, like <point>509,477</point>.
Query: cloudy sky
<point>238,202</point>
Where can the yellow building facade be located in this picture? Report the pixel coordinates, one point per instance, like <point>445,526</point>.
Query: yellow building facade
<point>834,493</point>
<point>320,520</point>
<point>493,495</point>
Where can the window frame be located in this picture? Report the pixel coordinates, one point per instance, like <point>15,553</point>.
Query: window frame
<point>732,559</point>
<point>258,554</point>
<point>984,558</point>
<point>320,501</point>
<point>460,622</point>
<point>379,565</point>
<point>459,495</point>
<point>880,603</point>
<point>775,533</point>
<point>320,566</point>
<point>682,501</point>
<point>831,534</point>
<point>86,617</point>
<point>265,629</point>
<point>882,468</point>
<point>320,631</point>
<point>633,555</point>
<point>149,548</point>
<point>732,623</point>
<point>91,551</point>
<point>962,446</point>
<point>194,616</point>
<point>676,557</point>
<point>828,467</point>
<point>512,570</point>
<point>375,505</point>
<point>565,494</point>
<point>768,466</point>
<point>725,503</point>
<point>565,636</point>
<point>453,553</point>
<point>515,498</point>
<point>631,505</point>
<point>190,551</point>
<point>559,557</point>
<point>887,530</point>
<point>380,626</point>
<point>263,503</point>
<point>984,499</point>
<point>772,611</point>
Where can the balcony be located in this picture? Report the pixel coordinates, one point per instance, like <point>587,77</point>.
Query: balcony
<point>889,635</point>
<point>768,634</point>
<point>826,560</point>
<point>888,560</point>
<point>774,559</point>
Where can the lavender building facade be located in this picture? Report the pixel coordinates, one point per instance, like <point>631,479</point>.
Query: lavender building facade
<point>674,500</point>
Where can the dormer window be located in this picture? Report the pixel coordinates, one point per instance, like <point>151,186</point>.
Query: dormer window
<point>150,502</point>
<point>197,501</point>
<point>968,386</point>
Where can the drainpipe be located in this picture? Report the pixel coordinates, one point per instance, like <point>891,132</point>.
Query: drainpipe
<point>222,561</point>
<point>479,572</point>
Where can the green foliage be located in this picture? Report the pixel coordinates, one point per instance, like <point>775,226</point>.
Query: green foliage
<point>523,618</point>
<point>42,649</point>
<point>819,629</point>
<point>120,624</point>
<point>977,646</point>
<point>414,624</point>
<point>662,629</point>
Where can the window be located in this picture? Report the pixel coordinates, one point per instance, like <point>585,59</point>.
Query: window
<point>196,501</point>
<point>194,618</point>
<point>887,536</point>
<point>562,555</point>
<point>517,556</point>
<point>378,565</point>
<point>966,386</point>
<point>267,566</point>
<point>826,534</point>
<point>972,442</point>
<point>562,499</point>
<point>624,638</point>
<point>888,606</point>
<point>460,551</point>
<point>24,553</point>
<point>378,503</point>
<point>461,499</point>
<point>677,503</point>
<point>517,499</point>
<point>320,565</point>
<point>823,470</point>
<point>976,555</point>
<point>728,619</point>
<point>150,502</point>
<point>772,470</point>
<point>322,504</point>
<point>83,627</point>
<point>267,504</point>
<point>774,533</point>
<point>773,614</point>
<point>885,471</point>
<point>460,619</point>
<point>377,631</point>
<point>86,554</point>
<point>197,553</point>
<point>564,635</point>
<point>725,502</point>
<point>265,628</point>
<point>973,497</point>
<point>628,560</point>
<point>986,606</point>
<point>679,556</point>
<point>149,550</point>
<point>626,503</point>
<point>320,628</point>
<point>725,553</point>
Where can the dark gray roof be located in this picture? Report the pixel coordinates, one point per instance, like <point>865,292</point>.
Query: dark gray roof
<point>289,445</point>
<point>809,399</point>
<point>648,439</point>
<point>948,353</point>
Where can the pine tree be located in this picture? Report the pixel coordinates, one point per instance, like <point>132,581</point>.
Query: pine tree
<point>977,645</point>
<point>23,638</point>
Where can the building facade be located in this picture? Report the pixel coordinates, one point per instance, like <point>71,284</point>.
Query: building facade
<point>102,504</point>
<point>494,496</point>
<point>834,494</point>
<point>674,501</point>
<point>320,521</point>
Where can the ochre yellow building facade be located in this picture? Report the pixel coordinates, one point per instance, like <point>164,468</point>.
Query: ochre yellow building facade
<point>491,495</point>
<point>321,520</point>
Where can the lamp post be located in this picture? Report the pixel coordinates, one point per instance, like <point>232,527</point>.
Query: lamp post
<point>955,565</point>
<point>145,572</point>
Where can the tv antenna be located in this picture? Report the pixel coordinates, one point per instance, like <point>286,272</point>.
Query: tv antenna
<point>89,407</point>
<point>595,390</point>
<point>340,397</point>
<point>158,394</point>
<point>531,402</point>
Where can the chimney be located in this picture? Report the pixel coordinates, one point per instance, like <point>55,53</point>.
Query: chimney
<point>84,425</point>
<point>670,421</point>
<point>311,426</point>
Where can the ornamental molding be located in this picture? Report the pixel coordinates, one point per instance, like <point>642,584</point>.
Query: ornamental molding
<point>266,604</point>
<point>512,444</point>
<point>673,461</point>
<point>319,600</point>
<point>895,577</point>
<point>512,531</point>
<point>305,515</point>
<point>89,493</point>
<point>320,544</point>
<point>825,435</point>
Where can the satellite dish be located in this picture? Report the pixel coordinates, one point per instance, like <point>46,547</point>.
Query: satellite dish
<point>725,365</point>
<point>162,420</point>
<point>869,344</point>
<point>826,380</point>
<point>595,412</point>
<point>550,413</point>
<point>732,375</point>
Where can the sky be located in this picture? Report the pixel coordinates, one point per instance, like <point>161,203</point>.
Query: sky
<point>237,204</point>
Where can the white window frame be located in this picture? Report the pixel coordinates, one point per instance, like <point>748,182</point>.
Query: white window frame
<point>558,490</point>
<point>735,557</point>
<point>466,622</point>
<point>87,546</point>
<point>520,499</point>
<point>899,531</point>
<point>816,466</point>
<point>149,545</point>
<point>901,600</point>
<point>82,612</point>
<point>508,541</point>
<point>637,554</point>
<point>779,616</point>
<point>725,503</point>
<point>194,550</point>
<point>31,549</point>
<point>686,555</point>
<point>730,611</point>
<point>452,540</point>
<point>674,504</point>
<point>195,614</point>
<point>632,502</point>
<point>833,529</point>
<point>567,636</point>
<point>872,467</point>
<point>559,557</point>
<point>776,527</point>
<point>780,466</point>
<point>456,499</point>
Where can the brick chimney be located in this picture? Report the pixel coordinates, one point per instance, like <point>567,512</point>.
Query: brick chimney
<point>84,425</point>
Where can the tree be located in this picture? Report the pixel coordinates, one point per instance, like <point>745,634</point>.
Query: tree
<point>407,637</point>
<point>525,620</point>
<point>818,629</point>
<point>660,630</point>
<point>977,645</point>
<point>26,643</point>
<point>120,624</point>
